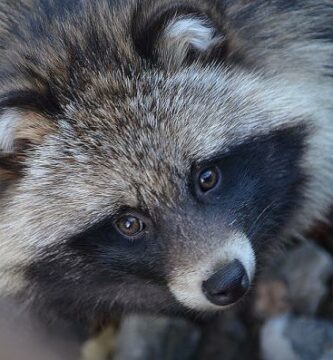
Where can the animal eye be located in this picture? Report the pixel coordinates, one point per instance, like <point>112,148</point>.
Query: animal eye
<point>129,225</point>
<point>209,178</point>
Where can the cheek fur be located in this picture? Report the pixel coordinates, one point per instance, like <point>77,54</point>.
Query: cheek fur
<point>62,283</point>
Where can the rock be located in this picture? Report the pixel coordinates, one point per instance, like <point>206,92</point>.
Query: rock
<point>297,282</point>
<point>100,347</point>
<point>306,271</point>
<point>272,298</point>
<point>150,338</point>
<point>327,356</point>
<point>226,336</point>
<point>273,342</point>
<point>296,338</point>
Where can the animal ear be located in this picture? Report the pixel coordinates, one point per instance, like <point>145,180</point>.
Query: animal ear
<point>177,35</point>
<point>20,130</point>
<point>187,36</point>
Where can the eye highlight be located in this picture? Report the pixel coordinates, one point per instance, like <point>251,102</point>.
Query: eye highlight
<point>209,178</point>
<point>129,225</point>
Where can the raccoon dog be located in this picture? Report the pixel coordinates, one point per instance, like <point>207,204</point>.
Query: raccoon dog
<point>153,151</point>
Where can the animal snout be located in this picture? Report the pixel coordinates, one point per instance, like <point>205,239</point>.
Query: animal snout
<point>227,285</point>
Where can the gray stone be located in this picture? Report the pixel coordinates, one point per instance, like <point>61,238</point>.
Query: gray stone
<point>327,356</point>
<point>297,338</point>
<point>306,271</point>
<point>150,338</point>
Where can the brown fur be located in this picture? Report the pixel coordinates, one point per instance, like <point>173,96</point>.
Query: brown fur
<point>112,122</point>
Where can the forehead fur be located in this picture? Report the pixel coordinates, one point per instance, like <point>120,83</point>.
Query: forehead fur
<point>150,129</point>
<point>127,132</point>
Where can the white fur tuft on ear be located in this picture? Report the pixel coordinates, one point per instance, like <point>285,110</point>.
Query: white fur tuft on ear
<point>184,33</point>
<point>22,125</point>
<point>191,31</point>
<point>9,121</point>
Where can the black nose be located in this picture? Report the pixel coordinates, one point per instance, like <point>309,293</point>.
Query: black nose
<point>227,285</point>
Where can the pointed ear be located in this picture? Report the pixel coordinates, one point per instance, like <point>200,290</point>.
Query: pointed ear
<point>178,34</point>
<point>20,130</point>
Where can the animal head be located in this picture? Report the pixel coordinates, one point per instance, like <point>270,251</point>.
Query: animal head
<point>141,167</point>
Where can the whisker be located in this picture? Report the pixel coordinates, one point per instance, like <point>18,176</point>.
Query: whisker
<point>268,207</point>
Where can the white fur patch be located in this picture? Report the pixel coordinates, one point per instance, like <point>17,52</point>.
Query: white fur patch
<point>191,31</point>
<point>186,285</point>
<point>183,34</point>
<point>8,123</point>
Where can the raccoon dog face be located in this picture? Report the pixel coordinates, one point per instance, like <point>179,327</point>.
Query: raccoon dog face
<point>139,170</point>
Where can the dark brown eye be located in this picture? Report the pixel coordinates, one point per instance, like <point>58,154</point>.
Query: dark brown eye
<point>209,178</point>
<point>129,225</point>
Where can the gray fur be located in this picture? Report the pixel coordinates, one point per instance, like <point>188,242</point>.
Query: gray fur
<point>127,126</point>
